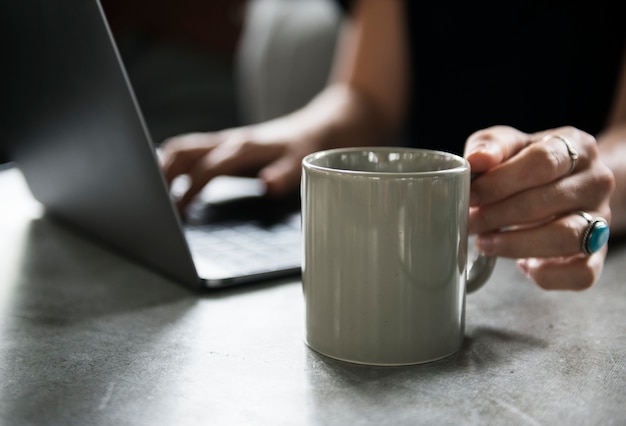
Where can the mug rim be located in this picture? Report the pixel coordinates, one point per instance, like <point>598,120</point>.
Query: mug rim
<point>307,161</point>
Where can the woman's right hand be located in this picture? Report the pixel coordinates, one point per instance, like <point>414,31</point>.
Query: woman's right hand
<point>273,151</point>
<point>364,104</point>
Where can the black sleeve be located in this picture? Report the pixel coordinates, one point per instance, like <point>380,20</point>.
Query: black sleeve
<point>344,5</point>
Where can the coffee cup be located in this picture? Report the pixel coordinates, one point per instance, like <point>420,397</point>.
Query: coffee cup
<point>386,266</point>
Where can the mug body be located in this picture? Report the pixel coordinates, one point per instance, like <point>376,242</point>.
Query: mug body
<point>385,253</point>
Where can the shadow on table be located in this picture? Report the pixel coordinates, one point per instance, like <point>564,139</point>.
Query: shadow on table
<point>79,325</point>
<point>73,317</point>
<point>60,266</point>
<point>63,277</point>
<point>437,390</point>
<point>483,347</point>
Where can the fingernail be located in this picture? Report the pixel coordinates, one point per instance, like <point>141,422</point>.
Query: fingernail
<point>477,148</point>
<point>483,148</point>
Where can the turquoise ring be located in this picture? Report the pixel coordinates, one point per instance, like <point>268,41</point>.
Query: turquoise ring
<point>595,235</point>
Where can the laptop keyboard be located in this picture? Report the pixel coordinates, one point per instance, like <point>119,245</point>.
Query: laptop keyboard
<point>247,248</point>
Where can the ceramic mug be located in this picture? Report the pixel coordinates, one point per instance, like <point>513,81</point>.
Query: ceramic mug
<point>385,267</point>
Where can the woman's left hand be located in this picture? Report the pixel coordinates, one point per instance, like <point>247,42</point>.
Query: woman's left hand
<point>527,198</point>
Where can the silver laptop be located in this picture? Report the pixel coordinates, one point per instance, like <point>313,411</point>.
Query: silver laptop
<point>76,131</point>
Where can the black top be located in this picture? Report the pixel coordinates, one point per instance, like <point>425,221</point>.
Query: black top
<point>532,64</point>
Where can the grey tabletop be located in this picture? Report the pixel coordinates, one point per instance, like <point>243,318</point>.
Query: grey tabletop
<point>88,337</point>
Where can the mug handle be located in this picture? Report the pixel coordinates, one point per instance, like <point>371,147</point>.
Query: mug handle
<point>481,267</point>
<point>479,271</point>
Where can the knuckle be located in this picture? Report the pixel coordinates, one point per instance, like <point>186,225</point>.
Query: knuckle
<point>574,133</point>
<point>571,131</point>
<point>549,161</point>
<point>582,140</point>
<point>243,146</point>
<point>605,180</point>
<point>599,186</point>
<point>572,233</point>
<point>246,144</point>
<point>587,141</point>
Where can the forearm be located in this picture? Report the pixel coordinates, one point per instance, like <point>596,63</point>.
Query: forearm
<point>344,116</point>
<point>364,103</point>
<point>612,146</point>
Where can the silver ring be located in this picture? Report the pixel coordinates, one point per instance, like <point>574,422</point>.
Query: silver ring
<point>595,235</point>
<point>571,151</point>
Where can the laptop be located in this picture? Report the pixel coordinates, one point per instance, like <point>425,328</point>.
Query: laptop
<point>77,133</point>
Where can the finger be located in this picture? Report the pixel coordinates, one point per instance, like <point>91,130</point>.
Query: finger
<point>222,160</point>
<point>489,147</point>
<point>541,162</point>
<point>572,273</point>
<point>235,159</point>
<point>586,191</point>
<point>181,163</point>
<point>180,153</point>
<point>282,176</point>
<point>561,237</point>
<point>198,179</point>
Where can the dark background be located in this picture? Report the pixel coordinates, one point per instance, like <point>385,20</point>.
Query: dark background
<point>179,57</point>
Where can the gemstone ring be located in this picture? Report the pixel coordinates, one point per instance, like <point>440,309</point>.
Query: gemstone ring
<point>595,235</point>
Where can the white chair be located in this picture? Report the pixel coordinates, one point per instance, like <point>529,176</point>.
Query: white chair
<point>285,54</point>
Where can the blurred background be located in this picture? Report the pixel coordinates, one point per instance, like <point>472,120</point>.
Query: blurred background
<point>200,65</point>
<point>180,59</point>
<point>207,65</point>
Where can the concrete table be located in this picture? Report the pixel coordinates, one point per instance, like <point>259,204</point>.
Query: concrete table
<point>90,338</point>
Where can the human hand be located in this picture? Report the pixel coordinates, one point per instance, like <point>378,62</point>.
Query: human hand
<point>525,200</point>
<point>272,150</point>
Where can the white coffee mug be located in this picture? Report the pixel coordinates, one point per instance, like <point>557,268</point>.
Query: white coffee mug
<point>385,267</point>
